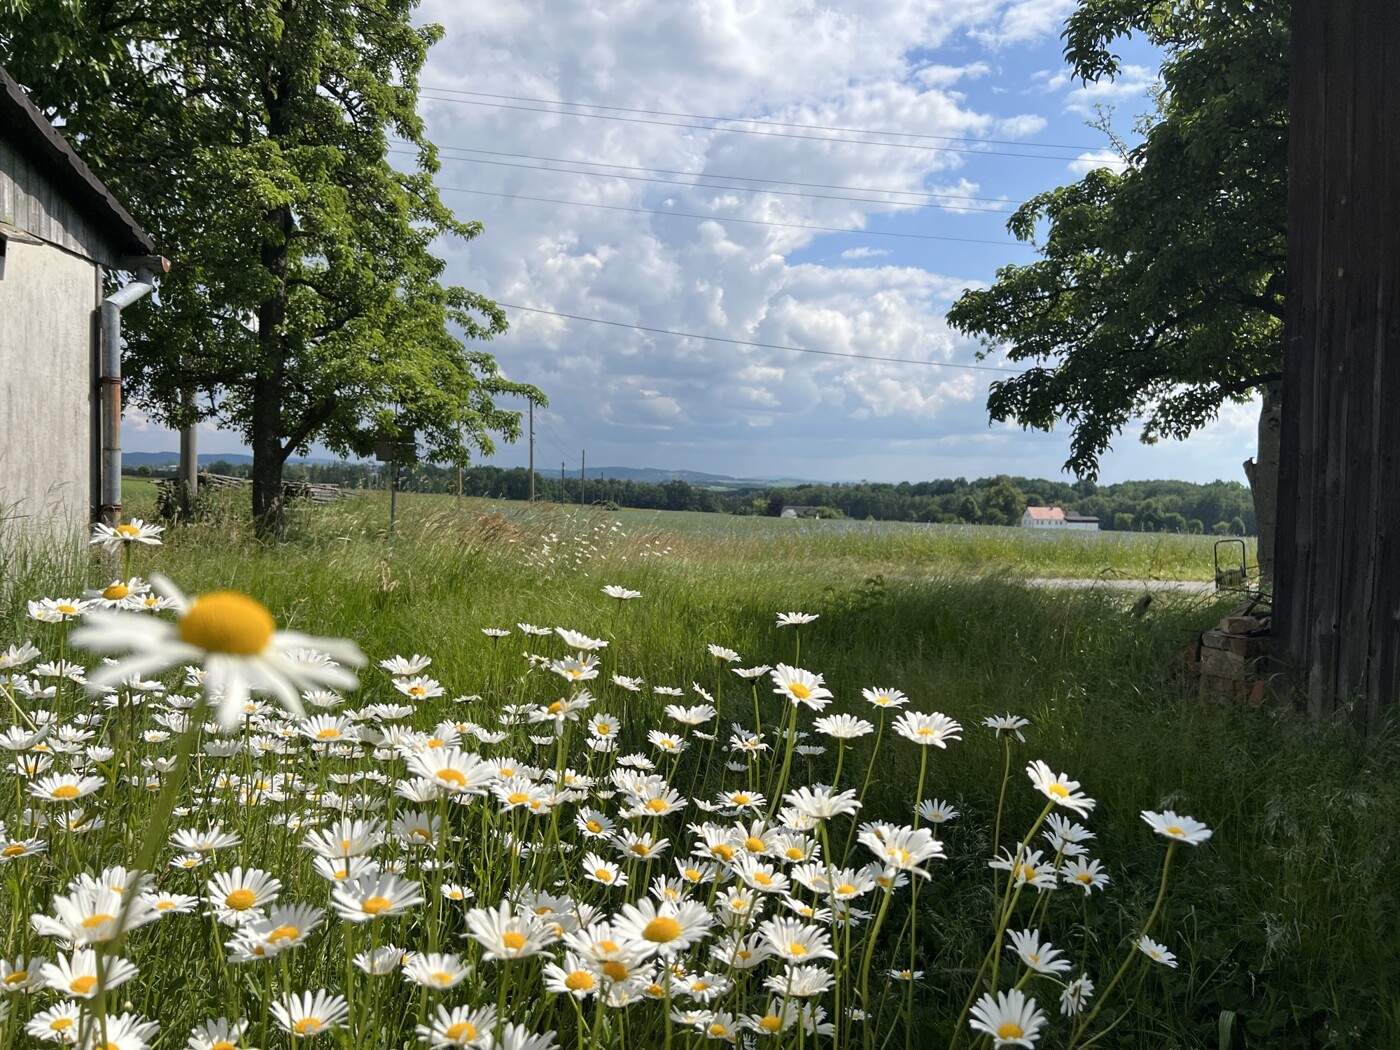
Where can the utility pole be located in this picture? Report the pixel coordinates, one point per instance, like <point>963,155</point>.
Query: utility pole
<point>563,484</point>
<point>582,477</point>
<point>532,452</point>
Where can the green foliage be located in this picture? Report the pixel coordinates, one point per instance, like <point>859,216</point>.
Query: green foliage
<point>252,141</point>
<point>1159,293</point>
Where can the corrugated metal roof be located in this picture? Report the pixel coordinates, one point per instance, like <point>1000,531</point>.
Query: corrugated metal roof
<point>23,124</point>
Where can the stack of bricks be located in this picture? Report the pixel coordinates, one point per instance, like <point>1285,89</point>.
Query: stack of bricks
<point>1229,662</point>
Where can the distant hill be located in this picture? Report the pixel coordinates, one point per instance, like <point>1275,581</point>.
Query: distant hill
<point>698,478</point>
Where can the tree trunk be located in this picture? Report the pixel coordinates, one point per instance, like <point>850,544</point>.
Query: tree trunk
<point>1263,477</point>
<point>1337,566</point>
<point>267,429</point>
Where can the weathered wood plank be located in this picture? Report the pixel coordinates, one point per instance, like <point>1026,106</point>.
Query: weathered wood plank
<point>1337,600</point>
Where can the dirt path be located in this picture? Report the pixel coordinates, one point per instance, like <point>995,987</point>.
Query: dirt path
<point>1115,584</point>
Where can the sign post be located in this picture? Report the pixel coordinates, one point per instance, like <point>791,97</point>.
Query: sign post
<point>402,450</point>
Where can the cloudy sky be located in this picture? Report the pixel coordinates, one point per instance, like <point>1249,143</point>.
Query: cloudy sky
<point>663,164</point>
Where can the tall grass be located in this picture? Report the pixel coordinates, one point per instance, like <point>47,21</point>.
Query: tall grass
<point>1285,922</point>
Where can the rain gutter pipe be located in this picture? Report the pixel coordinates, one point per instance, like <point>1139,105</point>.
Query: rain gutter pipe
<point>110,379</point>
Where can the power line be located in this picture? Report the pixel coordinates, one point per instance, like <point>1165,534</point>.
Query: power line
<point>712,186</point>
<point>764,346</point>
<point>750,131</point>
<point>755,120</point>
<point>717,175</point>
<point>726,218</point>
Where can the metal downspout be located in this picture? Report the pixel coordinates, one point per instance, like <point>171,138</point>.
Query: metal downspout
<point>110,378</point>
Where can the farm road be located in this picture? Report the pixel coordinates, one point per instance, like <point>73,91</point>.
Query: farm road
<point>1183,586</point>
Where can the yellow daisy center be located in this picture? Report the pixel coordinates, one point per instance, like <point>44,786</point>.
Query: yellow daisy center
<point>661,930</point>
<point>65,791</point>
<point>609,946</point>
<point>513,940</point>
<point>82,985</point>
<point>18,977</point>
<point>799,690</point>
<point>441,977</point>
<point>741,799</point>
<point>283,933</point>
<point>796,948</point>
<point>66,609</point>
<point>771,1024</point>
<point>376,905</point>
<point>241,900</point>
<point>641,849</point>
<point>717,1030</point>
<point>614,971</point>
<point>579,981</point>
<point>794,853</point>
<point>845,888</point>
<point>754,844</point>
<point>463,1030</point>
<point>1174,830</point>
<point>417,690</point>
<point>328,734</point>
<point>657,805</point>
<point>227,622</point>
<point>14,850</point>
<point>517,797</point>
<point>1058,790</point>
<point>1010,1030</point>
<point>594,827</point>
<point>1085,877</point>
<point>94,921</point>
<point>603,874</point>
<point>723,852</point>
<point>602,729</point>
<point>451,776</point>
<point>224,1044</point>
<point>127,531</point>
<point>307,1026</point>
<point>762,878</point>
<point>116,592</point>
<point>60,1024</point>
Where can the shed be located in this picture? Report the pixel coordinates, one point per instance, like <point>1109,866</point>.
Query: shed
<point>62,237</point>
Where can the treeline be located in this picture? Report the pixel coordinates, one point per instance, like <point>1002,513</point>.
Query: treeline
<point>1220,507</point>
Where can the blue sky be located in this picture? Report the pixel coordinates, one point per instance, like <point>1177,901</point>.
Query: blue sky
<point>944,73</point>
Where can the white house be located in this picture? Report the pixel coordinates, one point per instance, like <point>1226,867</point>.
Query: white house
<point>1056,518</point>
<point>61,235</point>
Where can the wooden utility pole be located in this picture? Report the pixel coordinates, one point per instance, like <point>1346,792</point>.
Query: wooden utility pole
<point>1337,555</point>
<point>582,477</point>
<point>532,452</point>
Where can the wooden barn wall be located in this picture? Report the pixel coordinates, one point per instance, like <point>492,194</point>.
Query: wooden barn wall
<point>30,202</point>
<point>1337,572</point>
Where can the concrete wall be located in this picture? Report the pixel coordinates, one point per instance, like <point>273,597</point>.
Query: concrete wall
<point>48,334</point>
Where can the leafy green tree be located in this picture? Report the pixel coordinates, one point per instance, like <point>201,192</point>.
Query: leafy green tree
<point>1159,291</point>
<point>1003,503</point>
<point>251,139</point>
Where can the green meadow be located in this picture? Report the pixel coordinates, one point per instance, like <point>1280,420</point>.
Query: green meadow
<point>1284,924</point>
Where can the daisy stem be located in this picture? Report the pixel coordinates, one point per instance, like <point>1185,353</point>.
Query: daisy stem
<point>787,763</point>
<point>757,719</point>
<point>919,794</point>
<point>840,758</point>
<point>1001,799</point>
<point>1004,912</point>
<point>865,963</point>
<point>874,754</point>
<point>1133,951</point>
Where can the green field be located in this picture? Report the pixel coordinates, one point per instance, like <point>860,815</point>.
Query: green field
<point>1284,923</point>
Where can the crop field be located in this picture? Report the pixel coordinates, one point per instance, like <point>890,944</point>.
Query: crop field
<point>757,782</point>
